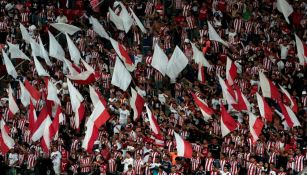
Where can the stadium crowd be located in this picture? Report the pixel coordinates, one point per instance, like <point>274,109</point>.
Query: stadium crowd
<point>260,40</point>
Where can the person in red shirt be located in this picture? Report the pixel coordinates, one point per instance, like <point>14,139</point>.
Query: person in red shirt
<point>203,14</point>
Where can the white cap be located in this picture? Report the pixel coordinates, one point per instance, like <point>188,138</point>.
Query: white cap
<point>186,40</point>
<point>64,85</point>
<point>97,150</point>
<point>304,93</point>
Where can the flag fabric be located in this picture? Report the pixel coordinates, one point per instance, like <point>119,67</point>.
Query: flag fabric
<point>204,108</point>
<point>32,117</point>
<point>55,49</point>
<point>228,92</point>
<point>268,88</point>
<point>121,77</point>
<point>86,77</point>
<point>7,143</point>
<point>117,21</point>
<point>137,103</point>
<point>43,52</point>
<point>25,34</point>
<point>9,65</point>
<point>76,104</point>
<point>100,114</point>
<point>123,55</point>
<point>184,148</point>
<point>35,94</point>
<point>159,60</point>
<point>91,134</point>
<point>73,50</point>
<point>72,69</point>
<point>65,28</point>
<point>40,124</point>
<point>214,36</point>
<point>201,74</point>
<point>52,92</point>
<point>289,115</point>
<point>40,69</point>
<point>98,28</point>
<point>35,47</point>
<point>290,99</point>
<point>153,123</point>
<point>125,17</point>
<point>45,141</point>
<point>137,21</point>
<point>228,124</point>
<point>13,107</point>
<point>242,102</point>
<point>285,8</point>
<point>198,56</point>
<point>16,52</point>
<point>24,95</point>
<point>157,140</point>
<point>231,71</point>
<point>255,126</point>
<point>176,64</point>
<point>301,51</point>
<point>264,108</point>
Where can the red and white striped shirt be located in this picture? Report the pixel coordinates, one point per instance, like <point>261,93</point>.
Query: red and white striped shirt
<point>186,9</point>
<point>112,165</point>
<point>31,161</point>
<point>138,166</point>
<point>24,17</point>
<point>87,162</point>
<point>299,163</point>
<point>251,169</point>
<point>237,23</point>
<point>234,167</point>
<point>209,164</point>
<point>195,162</point>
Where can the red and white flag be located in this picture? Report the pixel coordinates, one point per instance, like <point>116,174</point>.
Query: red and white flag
<point>159,60</point>
<point>264,108</point>
<point>137,103</point>
<point>268,88</point>
<point>289,115</point>
<point>86,77</point>
<point>290,99</point>
<point>255,126</point>
<point>242,102</point>
<point>39,68</point>
<point>6,142</point>
<point>176,64</point>
<point>228,124</point>
<point>58,118</point>
<point>76,104</point>
<point>13,107</point>
<point>228,93</point>
<point>9,65</point>
<point>45,141</point>
<point>184,148</point>
<point>214,36</point>
<point>153,123</point>
<point>301,51</point>
<point>74,70</point>
<point>158,140</point>
<point>201,73</point>
<point>33,92</point>
<point>100,114</point>
<point>123,55</point>
<point>231,71</point>
<point>204,108</point>
<point>198,56</point>
<point>41,123</point>
<point>91,134</point>
<point>121,76</point>
<point>285,8</point>
<point>32,117</point>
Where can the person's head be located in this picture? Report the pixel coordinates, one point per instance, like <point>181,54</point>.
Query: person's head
<point>130,167</point>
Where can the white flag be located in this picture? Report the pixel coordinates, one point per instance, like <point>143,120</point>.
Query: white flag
<point>55,49</point>
<point>301,53</point>
<point>9,65</point>
<point>24,95</point>
<point>98,28</point>
<point>159,60</point>
<point>35,48</point>
<point>39,68</point>
<point>198,56</point>
<point>73,50</point>
<point>285,8</point>
<point>25,34</point>
<point>176,64</point>
<point>138,22</point>
<point>116,20</point>
<point>43,52</point>
<point>65,28</point>
<point>16,52</point>
<point>126,18</point>
<point>121,76</point>
<point>214,36</point>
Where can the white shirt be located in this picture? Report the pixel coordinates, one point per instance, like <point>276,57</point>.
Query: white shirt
<point>283,51</point>
<point>127,162</point>
<point>13,158</point>
<point>61,19</point>
<point>123,116</point>
<point>56,160</point>
<point>224,173</point>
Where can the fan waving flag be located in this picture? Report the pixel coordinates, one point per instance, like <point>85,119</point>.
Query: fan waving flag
<point>13,107</point>
<point>289,116</point>
<point>204,108</point>
<point>6,142</point>
<point>76,104</point>
<point>123,55</point>
<point>285,8</point>
<point>228,124</point>
<point>98,28</point>
<point>301,51</point>
<point>231,71</point>
<point>159,60</point>
<point>121,77</point>
<point>9,65</point>
<point>16,52</point>
<point>65,28</point>
<point>255,126</point>
<point>184,148</point>
<point>290,99</point>
<point>268,88</point>
<point>137,103</point>
<point>214,36</point>
<point>153,123</point>
<point>264,108</point>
